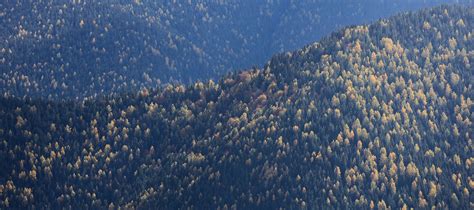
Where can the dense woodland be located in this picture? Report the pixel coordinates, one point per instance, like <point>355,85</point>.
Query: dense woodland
<point>372,116</point>
<point>83,48</point>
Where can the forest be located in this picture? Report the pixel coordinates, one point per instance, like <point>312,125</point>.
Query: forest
<point>373,115</point>
<point>77,49</point>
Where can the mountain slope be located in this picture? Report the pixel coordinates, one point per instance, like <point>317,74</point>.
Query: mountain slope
<point>373,115</point>
<point>67,49</point>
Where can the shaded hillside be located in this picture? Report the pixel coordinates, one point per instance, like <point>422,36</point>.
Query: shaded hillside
<point>374,115</point>
<point>84,48</point>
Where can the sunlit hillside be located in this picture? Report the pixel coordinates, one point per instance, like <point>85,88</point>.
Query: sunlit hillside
<point>371,116</point>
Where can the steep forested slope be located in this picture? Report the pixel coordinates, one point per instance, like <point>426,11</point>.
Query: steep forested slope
<point>81,48</point>
<point>374,115</point>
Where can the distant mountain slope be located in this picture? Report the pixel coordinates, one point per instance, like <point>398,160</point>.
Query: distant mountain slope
<point>82,48</point>
<point>374,115</point>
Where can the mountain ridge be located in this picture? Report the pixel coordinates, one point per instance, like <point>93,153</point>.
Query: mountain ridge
<point>63,49</point>
<point>372,116</point>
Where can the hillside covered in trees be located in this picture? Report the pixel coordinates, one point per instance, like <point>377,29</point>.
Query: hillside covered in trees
<point>372,116</point>
<point>81,48</point>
